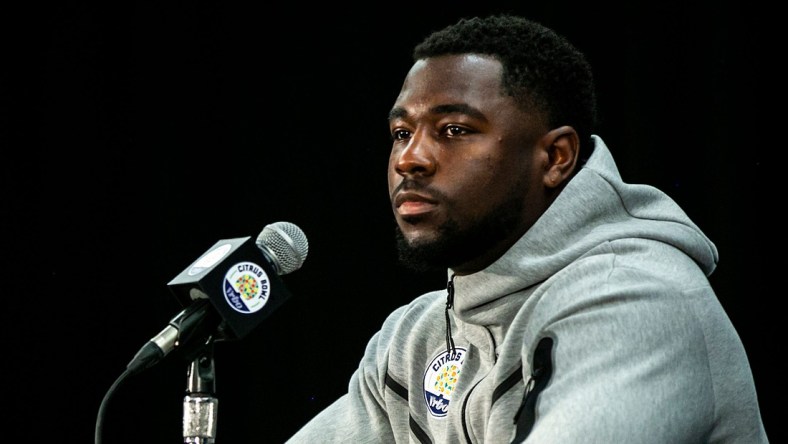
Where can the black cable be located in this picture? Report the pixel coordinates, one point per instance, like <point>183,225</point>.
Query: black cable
<point>148,355</point>
<point>103,407</point>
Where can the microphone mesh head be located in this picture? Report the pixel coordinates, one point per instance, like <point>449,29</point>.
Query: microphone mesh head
<point>286,245</point>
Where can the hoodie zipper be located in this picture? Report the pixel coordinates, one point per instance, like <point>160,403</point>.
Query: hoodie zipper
<point>450,348</point>
<point>467,397</point>
<point>542,369</point>
<point>464,409</point>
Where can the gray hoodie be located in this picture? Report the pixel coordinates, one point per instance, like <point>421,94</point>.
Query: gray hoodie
<point>598,326</point>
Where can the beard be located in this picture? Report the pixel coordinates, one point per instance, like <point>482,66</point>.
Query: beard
<point>454,245</point>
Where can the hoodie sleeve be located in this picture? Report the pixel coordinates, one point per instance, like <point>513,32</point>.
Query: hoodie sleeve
<point>358,416</point>
<point>636,357</point>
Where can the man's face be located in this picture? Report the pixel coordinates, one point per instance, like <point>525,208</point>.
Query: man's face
<point>462,173</point>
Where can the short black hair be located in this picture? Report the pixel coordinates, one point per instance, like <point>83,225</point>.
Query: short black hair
<point>542,70</point>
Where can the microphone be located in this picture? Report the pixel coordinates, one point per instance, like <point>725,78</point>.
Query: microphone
<point>227,291</point>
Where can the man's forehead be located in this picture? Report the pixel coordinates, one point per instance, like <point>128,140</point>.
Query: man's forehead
<point>456,83</point>
<point>463,70</point>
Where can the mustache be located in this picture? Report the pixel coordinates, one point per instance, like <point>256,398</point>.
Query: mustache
<point>415,186</point>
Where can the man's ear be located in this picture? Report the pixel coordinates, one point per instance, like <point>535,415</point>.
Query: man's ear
<point>563,147</point>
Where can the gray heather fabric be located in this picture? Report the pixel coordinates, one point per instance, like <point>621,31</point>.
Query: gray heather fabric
<point>616,274</point>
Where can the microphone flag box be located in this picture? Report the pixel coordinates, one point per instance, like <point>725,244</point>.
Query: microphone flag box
<point>237,279</point>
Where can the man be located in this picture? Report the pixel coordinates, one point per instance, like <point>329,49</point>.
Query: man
<point>577,306</point>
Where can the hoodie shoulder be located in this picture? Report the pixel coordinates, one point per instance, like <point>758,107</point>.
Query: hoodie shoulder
<point>643,210</point>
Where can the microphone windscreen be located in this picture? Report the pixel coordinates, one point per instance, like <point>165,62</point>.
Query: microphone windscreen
<point>286,245</point>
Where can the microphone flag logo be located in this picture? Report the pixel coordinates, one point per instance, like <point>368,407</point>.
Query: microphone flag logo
<point>246,287</point>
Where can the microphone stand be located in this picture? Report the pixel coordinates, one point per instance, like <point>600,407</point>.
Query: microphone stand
<point>200,405</point>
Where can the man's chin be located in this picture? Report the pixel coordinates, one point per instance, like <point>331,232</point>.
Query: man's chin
<point>417,238</point>
<point>420,252</point>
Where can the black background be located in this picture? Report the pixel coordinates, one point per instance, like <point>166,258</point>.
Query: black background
<point>137,135</point>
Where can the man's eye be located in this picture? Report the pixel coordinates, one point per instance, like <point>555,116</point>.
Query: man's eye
<point>453,130</point>
<point>400,134</point>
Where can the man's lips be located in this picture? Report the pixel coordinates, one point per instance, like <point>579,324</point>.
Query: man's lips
<point>409,203</point>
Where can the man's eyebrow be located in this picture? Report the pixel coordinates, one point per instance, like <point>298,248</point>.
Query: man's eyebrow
<point>451,108</point>
<point>397,112</point>
<point>458,108</point>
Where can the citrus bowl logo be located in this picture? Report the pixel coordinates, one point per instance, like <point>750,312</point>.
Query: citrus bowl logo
<point>440,380</point>
<point>246,287</point>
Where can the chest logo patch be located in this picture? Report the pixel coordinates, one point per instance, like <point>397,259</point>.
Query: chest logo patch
<point>440,380</point>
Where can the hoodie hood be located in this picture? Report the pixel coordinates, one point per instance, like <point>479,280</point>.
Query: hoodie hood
<point>595,207</point>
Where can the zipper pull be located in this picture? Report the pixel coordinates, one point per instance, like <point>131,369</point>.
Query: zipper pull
<point>542,370</point>
<point>528,387</point>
